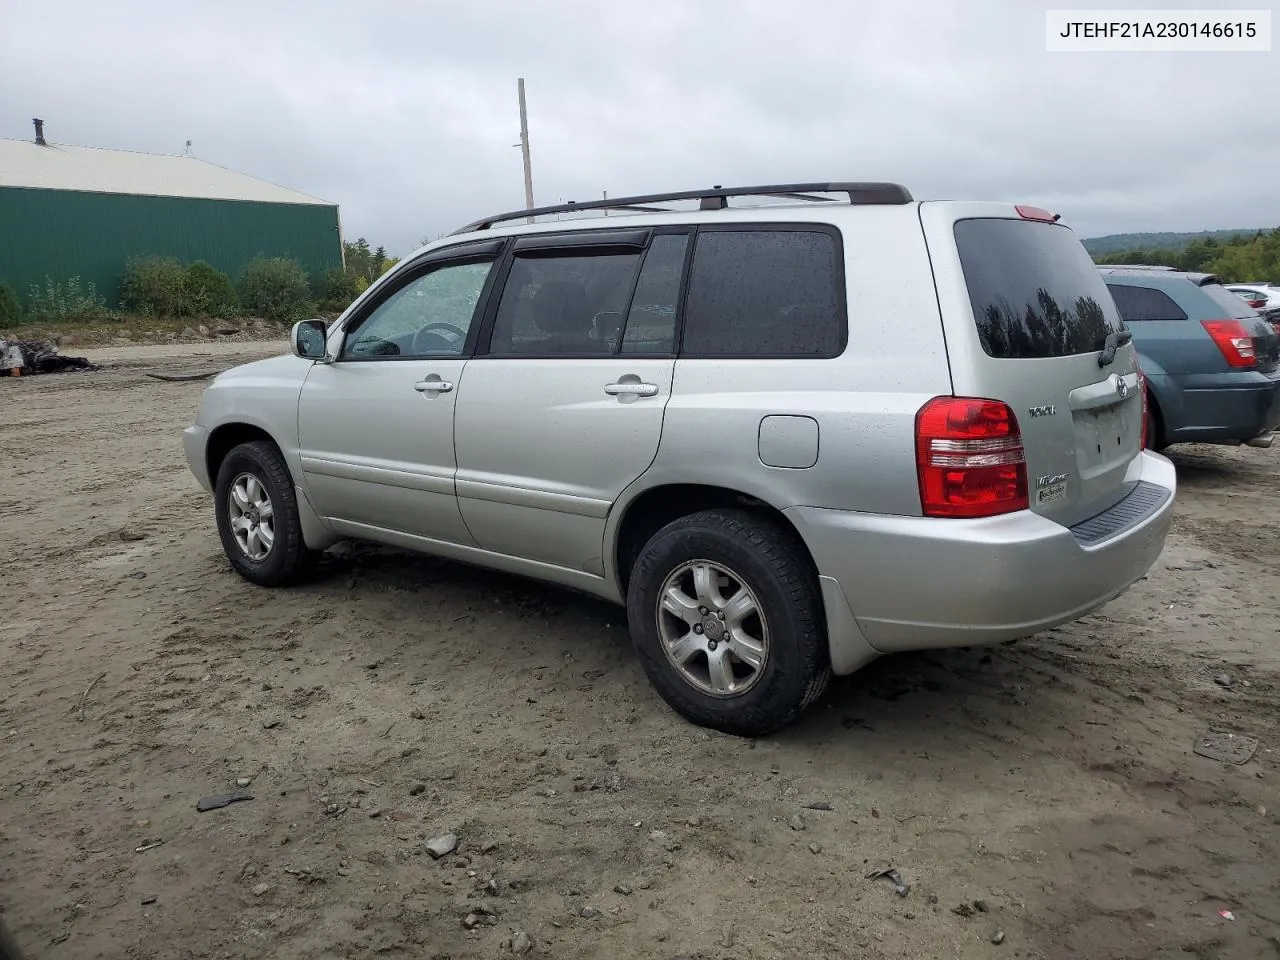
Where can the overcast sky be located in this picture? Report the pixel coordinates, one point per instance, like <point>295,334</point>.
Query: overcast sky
<point>405,113</point>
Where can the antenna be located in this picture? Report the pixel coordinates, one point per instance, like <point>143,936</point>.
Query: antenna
<point>187,151</point>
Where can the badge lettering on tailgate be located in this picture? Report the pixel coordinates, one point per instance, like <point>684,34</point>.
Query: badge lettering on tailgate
<point>1048,410</point>
<point>1051,487</point>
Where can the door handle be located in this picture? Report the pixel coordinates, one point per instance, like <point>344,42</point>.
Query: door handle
<point>631,389</point>
<point>433,386</point>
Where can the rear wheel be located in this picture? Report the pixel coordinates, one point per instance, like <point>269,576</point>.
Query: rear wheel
<point>256,508</point>
<point>1155,441</point>
<point>725,613</point>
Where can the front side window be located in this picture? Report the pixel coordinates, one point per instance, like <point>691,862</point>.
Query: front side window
<point>765,293</point>
<point>429,316</point>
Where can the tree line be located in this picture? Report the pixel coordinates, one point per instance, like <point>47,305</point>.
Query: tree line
<point>1254,258</point>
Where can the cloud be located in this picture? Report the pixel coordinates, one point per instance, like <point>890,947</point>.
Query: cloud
<point>405,113</point>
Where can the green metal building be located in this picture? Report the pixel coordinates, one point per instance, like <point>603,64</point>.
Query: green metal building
<point>83,211</point>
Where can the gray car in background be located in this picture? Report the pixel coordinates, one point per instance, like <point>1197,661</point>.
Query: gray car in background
<point>1210,360</point>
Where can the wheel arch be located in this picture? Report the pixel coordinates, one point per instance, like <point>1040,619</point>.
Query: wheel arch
<point>227,436</point>
<point>649,510</point>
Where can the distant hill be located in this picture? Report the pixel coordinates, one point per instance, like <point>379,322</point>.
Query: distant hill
<point>1159,241</point>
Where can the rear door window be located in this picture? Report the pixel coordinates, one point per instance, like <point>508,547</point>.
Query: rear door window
<point>765,293</point>
<point>1034,290</point>
<point>1144,303</point>
<point>564,305</point>
<point>651,321</point>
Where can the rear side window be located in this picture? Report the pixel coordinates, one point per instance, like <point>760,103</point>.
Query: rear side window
<point>1227,304</point>
<point>564,305</point>
<point>651,321</point>
<point>1035,293</point>
<point>765,293</point>
<point>1144,303</point>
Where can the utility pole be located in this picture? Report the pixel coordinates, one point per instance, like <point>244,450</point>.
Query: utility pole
<point>606,209</point>
<point>524,149</point>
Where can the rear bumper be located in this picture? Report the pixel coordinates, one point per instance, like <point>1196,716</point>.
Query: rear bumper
<point>195,440</point>
<point>1224,408</point>
<point>917,583</point>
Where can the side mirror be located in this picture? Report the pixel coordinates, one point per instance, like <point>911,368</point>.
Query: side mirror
<point>309,338</point>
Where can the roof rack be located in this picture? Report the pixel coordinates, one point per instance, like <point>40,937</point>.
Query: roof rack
<point>717,198</point>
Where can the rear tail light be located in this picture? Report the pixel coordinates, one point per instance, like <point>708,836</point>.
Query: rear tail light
<point>969,458</point>
<point>1233,340</point>
<point>1256,304</point>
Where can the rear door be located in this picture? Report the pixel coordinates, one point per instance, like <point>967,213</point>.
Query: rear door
<point>1027,316</point>
<point>1170,344</point>
<point>563,405</point>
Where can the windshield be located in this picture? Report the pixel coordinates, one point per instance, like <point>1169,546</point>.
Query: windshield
<point>1235,305</point>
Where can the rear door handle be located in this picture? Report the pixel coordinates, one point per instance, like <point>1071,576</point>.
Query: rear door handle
<point>631,389</point>
<point>435,385</point>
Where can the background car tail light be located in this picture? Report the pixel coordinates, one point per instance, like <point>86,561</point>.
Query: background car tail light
<point>1256,304</point>
<point>970,459</point>
<point>1233,340</point>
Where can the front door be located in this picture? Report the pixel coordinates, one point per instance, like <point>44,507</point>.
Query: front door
<point>375,426</point>
<point>565,407</point>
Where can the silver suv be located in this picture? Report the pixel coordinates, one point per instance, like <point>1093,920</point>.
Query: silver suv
<point>790,436</point>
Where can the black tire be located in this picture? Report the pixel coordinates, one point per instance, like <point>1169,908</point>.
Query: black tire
<point>768,558</point>
<point>288,559</point>
<point>1154,440</point>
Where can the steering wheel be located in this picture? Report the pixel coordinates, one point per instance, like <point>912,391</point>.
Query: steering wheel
<point>438,337</point>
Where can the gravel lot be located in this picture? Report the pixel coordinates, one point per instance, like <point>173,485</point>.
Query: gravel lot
<point>1043,793</point>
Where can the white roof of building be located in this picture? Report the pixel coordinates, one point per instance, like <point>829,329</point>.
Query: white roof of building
<point>57,166</point>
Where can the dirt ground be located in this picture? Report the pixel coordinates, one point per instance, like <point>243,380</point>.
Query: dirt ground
<point>1043,793</point>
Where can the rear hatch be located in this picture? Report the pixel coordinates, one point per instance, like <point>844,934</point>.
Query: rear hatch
<point>1231,306</point>
<point>1027,317</point>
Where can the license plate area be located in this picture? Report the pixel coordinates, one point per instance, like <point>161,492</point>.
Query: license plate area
<point>1102,440</point>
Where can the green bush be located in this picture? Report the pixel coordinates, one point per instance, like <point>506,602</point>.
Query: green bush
<point>10,306</point>
<point>275,288</point>
<point>70,301</point>
<point>161,286</point>
<point>209,291</point>
<point>337,290</point>
<point>156,286</point>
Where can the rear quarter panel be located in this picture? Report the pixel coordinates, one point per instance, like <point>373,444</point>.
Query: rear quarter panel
<point>864,401</point>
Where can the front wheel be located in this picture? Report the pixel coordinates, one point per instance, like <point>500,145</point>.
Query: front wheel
<point>725,612</point>
<point>256,508</point>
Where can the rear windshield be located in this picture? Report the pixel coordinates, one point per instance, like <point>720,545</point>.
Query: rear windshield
<point>1035,292</point>
<point>1233,305</point>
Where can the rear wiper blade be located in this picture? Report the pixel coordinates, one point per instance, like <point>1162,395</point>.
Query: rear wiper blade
<point>1115,340</point>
